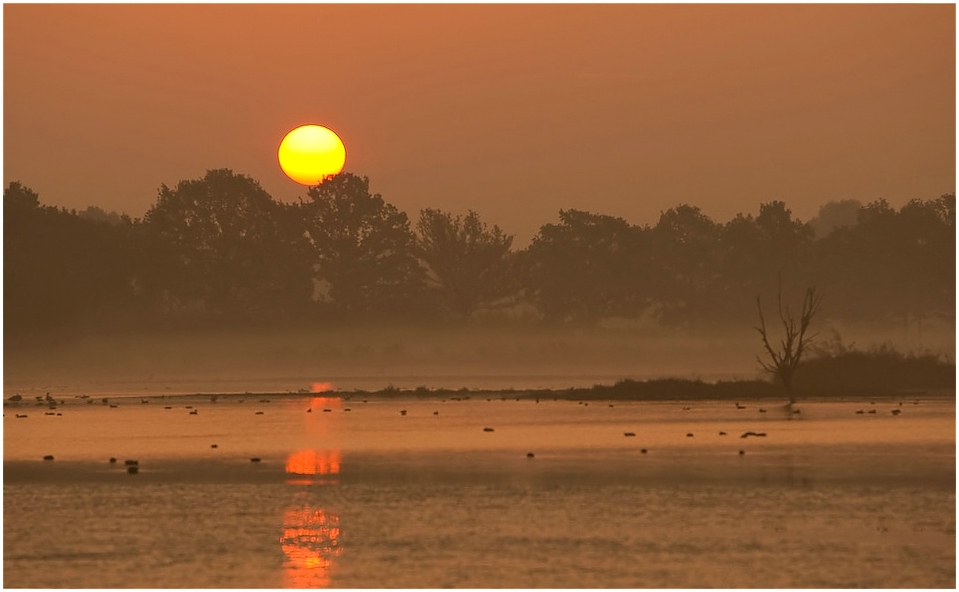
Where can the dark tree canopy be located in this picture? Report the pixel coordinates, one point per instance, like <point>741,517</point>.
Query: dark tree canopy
<point>363,250</point>
<point>587,267</point>
<point>224,247</point>
<point>468,262</point>
<point>219,251</point>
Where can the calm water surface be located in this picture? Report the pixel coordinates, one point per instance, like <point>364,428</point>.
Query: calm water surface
<point>357,494</point>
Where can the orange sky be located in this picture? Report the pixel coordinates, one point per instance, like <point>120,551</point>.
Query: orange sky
<point>514,111</point>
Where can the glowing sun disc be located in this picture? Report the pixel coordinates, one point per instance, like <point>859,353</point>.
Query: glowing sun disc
<point>311,153</point>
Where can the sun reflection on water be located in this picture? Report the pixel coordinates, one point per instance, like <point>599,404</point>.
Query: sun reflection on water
<point>310,538</point>
<point>313,462</point>
<point>310,541</point>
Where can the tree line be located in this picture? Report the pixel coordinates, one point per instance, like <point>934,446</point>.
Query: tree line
<point>221,252</point>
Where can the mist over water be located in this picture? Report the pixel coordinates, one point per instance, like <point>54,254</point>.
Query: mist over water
<point>372,357</point>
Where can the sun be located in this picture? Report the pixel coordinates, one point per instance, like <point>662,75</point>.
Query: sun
<point>310,154</point>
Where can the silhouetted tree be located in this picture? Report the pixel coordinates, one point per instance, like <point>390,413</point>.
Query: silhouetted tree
<point>363,250</point>
<point>687,255</point>
<point>60,271</point>
<point>892,265</point>
<point>468,261</point>
<point>588,267</point>
<point>220,248</point>
<point>784,358</point>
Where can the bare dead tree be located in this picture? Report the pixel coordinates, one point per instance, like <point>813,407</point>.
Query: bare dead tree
<point>784,359</point>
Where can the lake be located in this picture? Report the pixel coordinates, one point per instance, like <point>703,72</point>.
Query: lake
<point>480,491</point>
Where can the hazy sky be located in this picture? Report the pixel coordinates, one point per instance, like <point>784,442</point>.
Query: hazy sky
<point>514,111</point>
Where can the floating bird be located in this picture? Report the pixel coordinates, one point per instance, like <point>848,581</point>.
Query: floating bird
<point>488,429</point>
<point>873,411</point>
<point>309,410</point>
<point>796,411</point>
<point>859,412</point>
<point>327,410</point>
<point>113,406</point>
<point>133,470</point>
<point>255,459</point>
<point>49,413</point>
<point>761,410</point>
<point>195,412</point>
<point>722,433</point>
<point>689,434</point>
<point>896,411</point>
<point>21,416</point>
<point>189,407</point>
<point>258,413</point>
<point>436,413</point>
<point>738,406</point>
<point>113,460</point>
<point>530,455</point>
<point>144,402</point>
<point>609,404</point>
<point>347,409</point>
<point>48,457</point>
<point>168,407</point>
<point>213,446</point>
<point>630,434</point>
<point>643,451</point>
<point>402,411</point>
<point>742,452</point>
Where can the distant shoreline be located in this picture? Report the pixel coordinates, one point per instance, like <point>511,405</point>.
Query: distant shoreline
<point>665,390</point>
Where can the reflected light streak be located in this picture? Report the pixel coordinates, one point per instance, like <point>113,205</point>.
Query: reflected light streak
<point>310,541</point>
<point>314,462</point>
<point>321,387</point>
